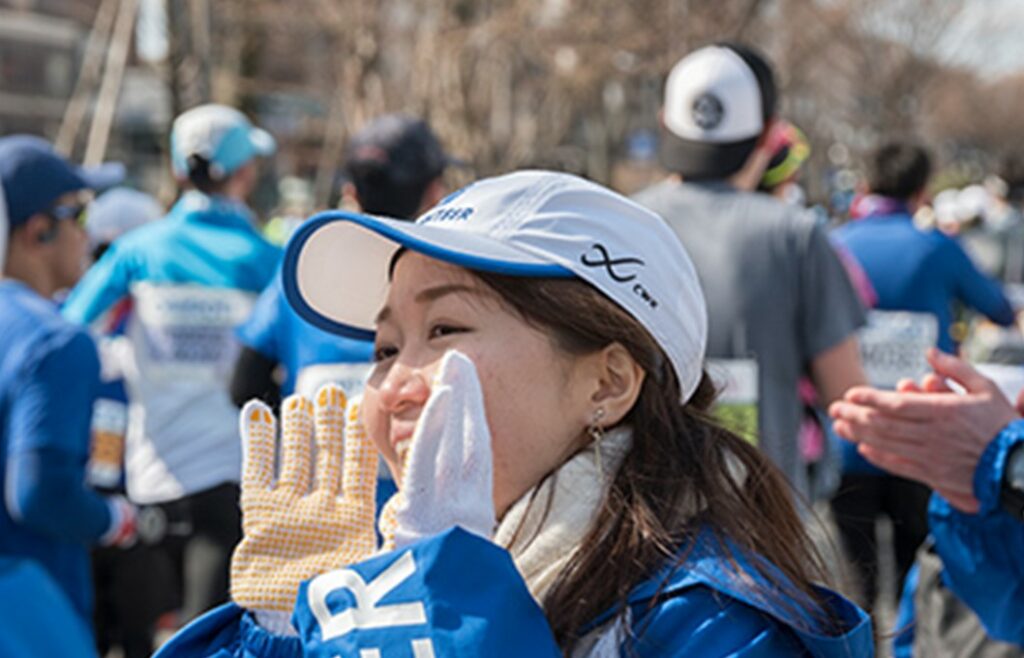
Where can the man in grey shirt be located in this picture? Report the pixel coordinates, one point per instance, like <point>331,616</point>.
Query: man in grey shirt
<point>777,294</point>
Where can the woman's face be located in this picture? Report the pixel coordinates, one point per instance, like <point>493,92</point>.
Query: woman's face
<point>535,395</point>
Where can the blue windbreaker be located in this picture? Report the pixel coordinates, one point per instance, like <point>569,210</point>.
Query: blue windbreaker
<point>193,277</point>
<point>49,376</point>
<point>982,554</point>
<point>917,270</point>
<point>456,594</point>
<point>38,619</point>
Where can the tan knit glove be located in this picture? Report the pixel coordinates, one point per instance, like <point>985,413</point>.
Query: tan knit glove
<point>305,522</point>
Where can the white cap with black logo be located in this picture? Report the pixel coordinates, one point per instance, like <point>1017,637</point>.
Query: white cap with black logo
<point>714,112</point>
<point>530,224</point>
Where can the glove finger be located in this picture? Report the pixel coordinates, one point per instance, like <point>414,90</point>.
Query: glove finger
<point>359,479</point>
<point>330,426</point>
<point>476,459</point>
<point>296,431</point>
<point>424,467</point>
<point>258,429</point>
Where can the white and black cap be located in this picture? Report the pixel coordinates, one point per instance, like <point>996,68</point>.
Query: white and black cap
<point>718,102</point>
<point>529,224</point>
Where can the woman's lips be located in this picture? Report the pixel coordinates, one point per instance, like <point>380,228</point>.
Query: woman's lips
<point>401,438</point>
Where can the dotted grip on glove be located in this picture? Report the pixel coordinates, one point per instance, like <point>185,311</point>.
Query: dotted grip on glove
<point>308,520</point>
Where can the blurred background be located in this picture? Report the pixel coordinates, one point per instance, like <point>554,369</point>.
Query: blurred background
<point>568,84</point>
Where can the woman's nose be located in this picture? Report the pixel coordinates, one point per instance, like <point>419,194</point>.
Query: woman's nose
<point>404,387</point>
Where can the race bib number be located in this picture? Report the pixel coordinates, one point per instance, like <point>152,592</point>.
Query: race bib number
<point>736,406</point>
<point>351,377</point>
<point>187,331</point>
<point>106,455</point>
<point>893,346</point>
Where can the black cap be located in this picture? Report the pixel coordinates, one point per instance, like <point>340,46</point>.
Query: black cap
<point>403,148</point>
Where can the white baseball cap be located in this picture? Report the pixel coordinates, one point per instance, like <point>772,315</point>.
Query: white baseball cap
<point>529,224</point>
<point>718,101</point>
<point>220,134</point>
<point>117,211</point>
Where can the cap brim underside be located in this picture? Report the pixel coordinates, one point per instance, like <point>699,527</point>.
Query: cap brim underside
<point>336,268</point>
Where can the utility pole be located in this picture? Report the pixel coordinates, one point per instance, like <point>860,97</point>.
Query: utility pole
<point>110,90</point>
<point>88,78</point>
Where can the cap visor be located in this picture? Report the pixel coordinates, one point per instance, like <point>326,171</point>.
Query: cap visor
<point>102,176</point>
<point>262,141</point>
<point>703,160</point>
<point>336,266</point>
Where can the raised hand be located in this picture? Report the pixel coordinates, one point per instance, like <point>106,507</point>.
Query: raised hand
<point>447,478</point>
<point>306,520</point>
<point>927,432</point>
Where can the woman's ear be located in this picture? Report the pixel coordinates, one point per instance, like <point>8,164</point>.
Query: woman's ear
<point>618,383</point>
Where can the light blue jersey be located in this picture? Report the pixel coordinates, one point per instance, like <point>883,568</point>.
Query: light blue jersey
<point>193,278</point>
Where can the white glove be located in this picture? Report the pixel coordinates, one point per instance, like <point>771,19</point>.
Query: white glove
<point>448,475</point>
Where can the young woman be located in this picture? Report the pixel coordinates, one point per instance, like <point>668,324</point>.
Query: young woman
<point>539,382</point>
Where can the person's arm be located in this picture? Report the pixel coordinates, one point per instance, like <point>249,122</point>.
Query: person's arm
<point>48,447</point>
<point>261,336</point>
<point>975,289</point>
<point>253,378</point>
<point>106,282</point>
<point>830,314</point>
<point>983,553</point>
<point>837,370</point>
<point>928,433</point>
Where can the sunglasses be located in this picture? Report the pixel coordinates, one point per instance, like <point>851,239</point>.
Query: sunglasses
<point>75,212</point>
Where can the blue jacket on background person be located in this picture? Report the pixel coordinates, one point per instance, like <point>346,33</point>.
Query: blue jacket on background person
<point>982,554</point>
<point>48,514</point>
<point>918,270</point>
<point>33,607</point>
<point>699,609</point>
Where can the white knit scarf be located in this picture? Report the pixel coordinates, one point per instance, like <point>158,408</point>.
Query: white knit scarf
<point>543,529</point>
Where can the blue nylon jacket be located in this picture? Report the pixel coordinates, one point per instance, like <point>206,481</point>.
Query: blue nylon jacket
<point>423,601</point>
<point>49,377</point>
<point>916,270</point>
<point>982,554</point>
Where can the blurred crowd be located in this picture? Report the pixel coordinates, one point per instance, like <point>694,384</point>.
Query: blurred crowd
<point>131,334</point>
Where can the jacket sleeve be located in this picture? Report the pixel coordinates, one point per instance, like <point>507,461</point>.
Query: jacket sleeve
<point>106,282</point>
<point>975,289</point>
<point>983,554</point>
<point>49,443</point>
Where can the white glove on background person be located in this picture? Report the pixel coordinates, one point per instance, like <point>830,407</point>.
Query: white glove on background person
<point>448,474</point>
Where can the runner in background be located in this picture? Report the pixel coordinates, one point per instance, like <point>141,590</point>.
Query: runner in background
<point>395,168</point>
<point>49,375</point>
<point>923,272</point>
<point>126,613</point>
<point>192,278</point>
<point>789,151</point>
<point>778,297</point>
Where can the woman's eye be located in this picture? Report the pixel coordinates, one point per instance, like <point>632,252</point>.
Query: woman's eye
<point>383,353</point>
<point>441,330</point>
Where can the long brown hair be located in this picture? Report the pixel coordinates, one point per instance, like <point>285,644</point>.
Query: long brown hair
<point>680,461</point>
